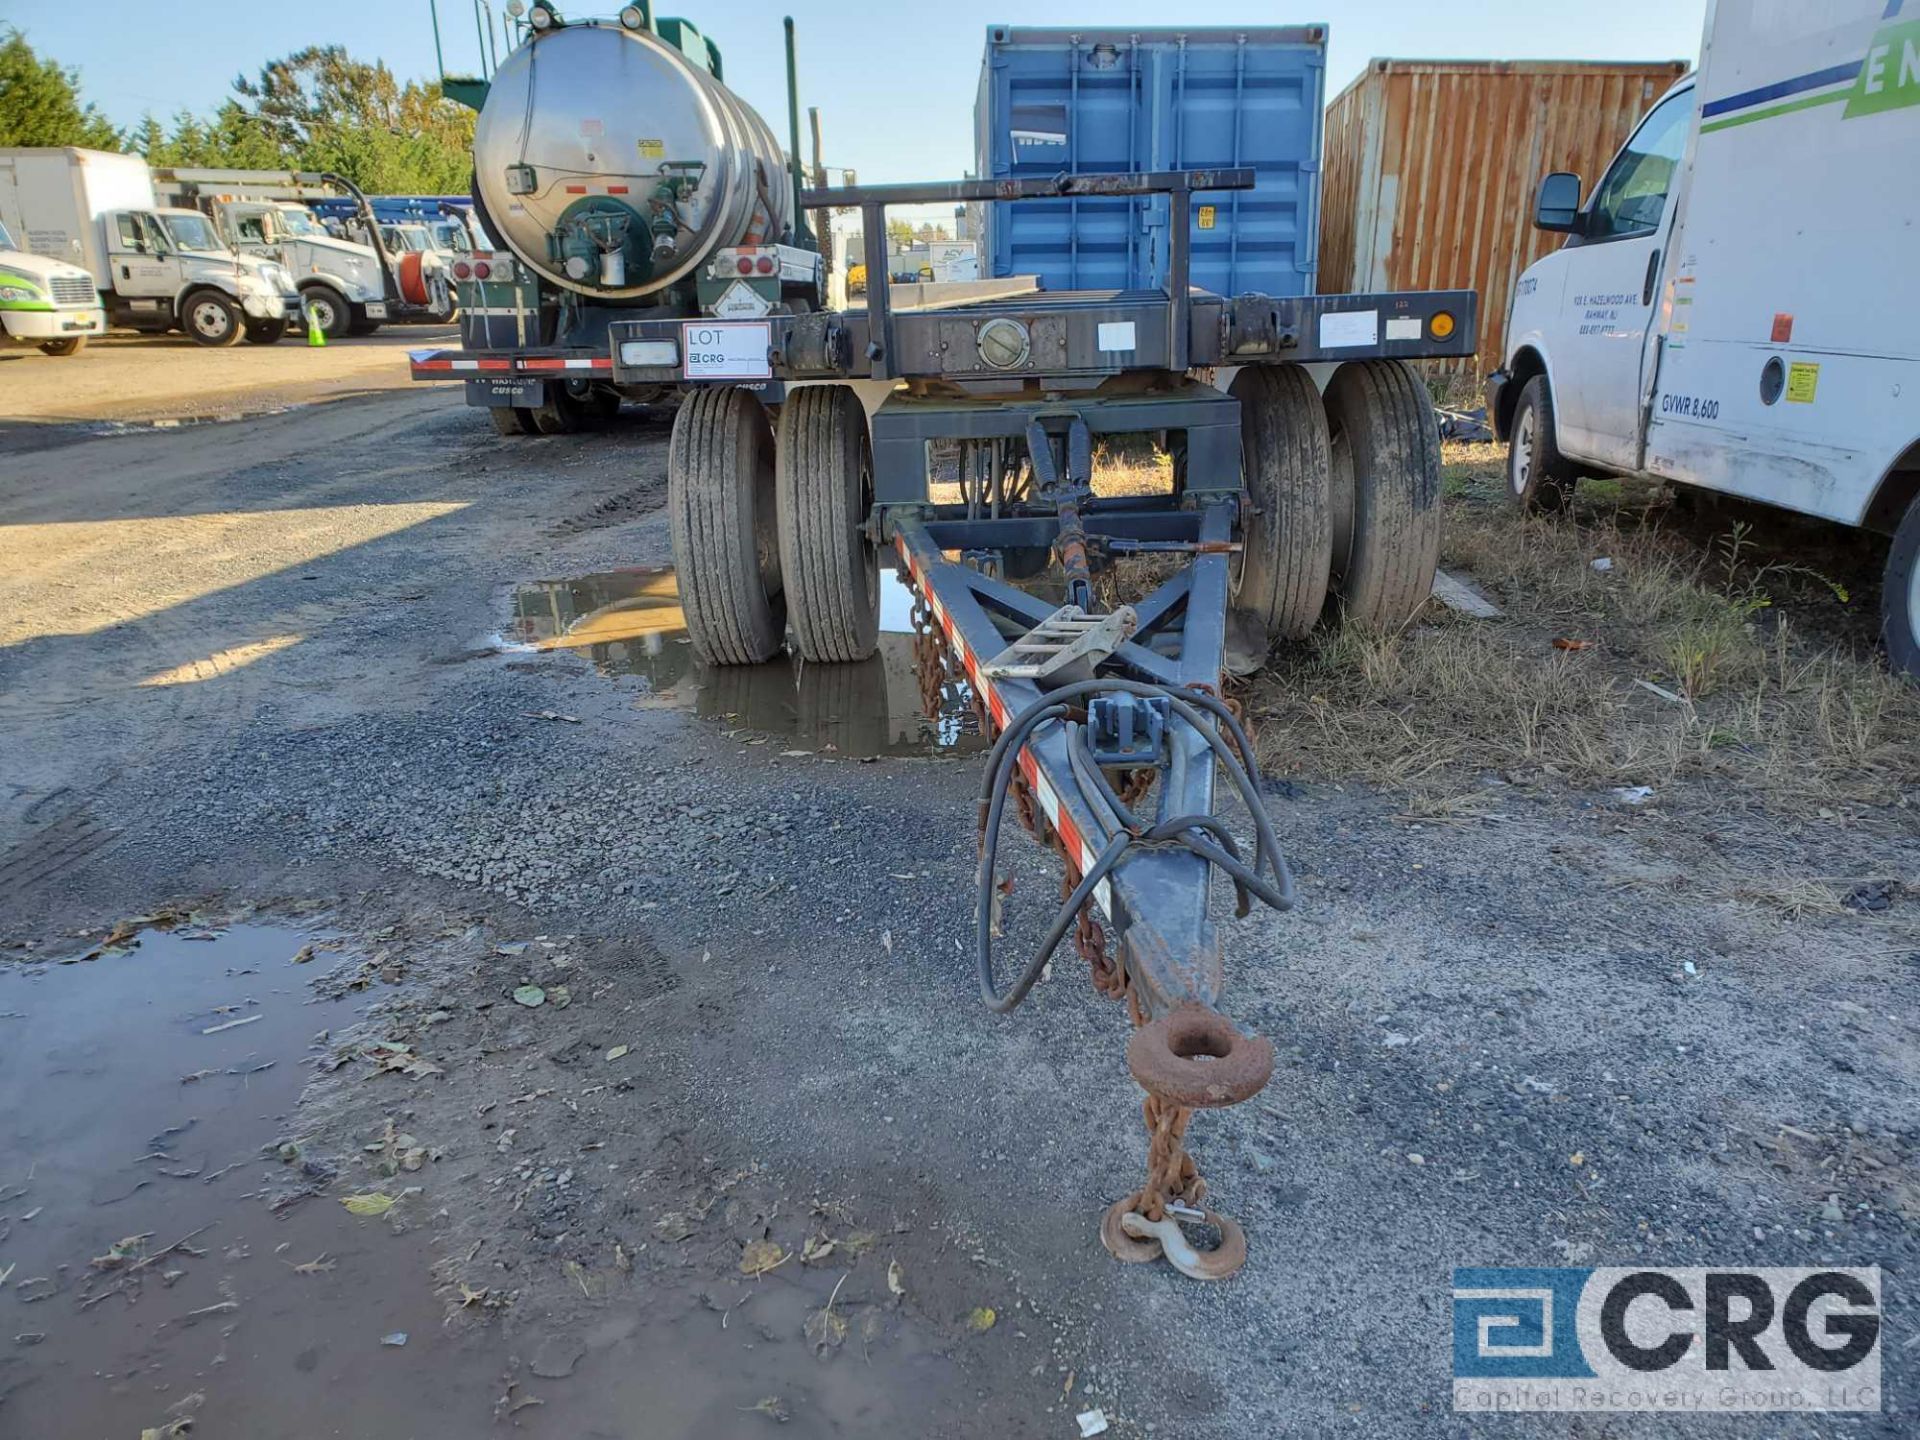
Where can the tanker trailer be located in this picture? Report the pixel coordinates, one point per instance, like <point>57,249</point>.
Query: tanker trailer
<point>621,180</point>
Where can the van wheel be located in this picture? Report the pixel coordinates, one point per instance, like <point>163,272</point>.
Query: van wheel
<point>1281,576</point>
<point>1385,449</point>
<point>329,309</point>
<point>824,481</point>
<point>212,319</point>
<point>1538,476</point>
<point>265,332</point>
<point>720,500</point>
<point>1900,596</point>
<point>67,345</point>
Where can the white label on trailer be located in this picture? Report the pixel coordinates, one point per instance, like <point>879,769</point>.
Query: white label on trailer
<point>717,350</point>
<point>1403,327</point>
<point>740,301</point>
<point>1117,335</point>
<point>1341,328</point>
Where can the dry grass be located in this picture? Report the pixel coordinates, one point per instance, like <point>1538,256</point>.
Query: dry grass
<point>1713,619</point>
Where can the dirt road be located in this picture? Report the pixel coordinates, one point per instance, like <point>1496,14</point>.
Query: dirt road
<point>627,1004</point>
<point>143,378</point>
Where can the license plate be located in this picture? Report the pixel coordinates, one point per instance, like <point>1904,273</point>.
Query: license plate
<point>376,310</point>
<point>719,350</point>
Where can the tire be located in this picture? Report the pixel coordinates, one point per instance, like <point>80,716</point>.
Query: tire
<point>266,332</point>
<point>512,419</point>
<point>720,500</point>
<point>1286,456</point>
<point>66,345</point>
<point>211,319</point>
<point>1538,476</point>
<point>559,413</point>
<point>363,327</point>
<point>1386,487</point>
<point>330,308</point>
<point>824,487</point>
<point>1900,596</point>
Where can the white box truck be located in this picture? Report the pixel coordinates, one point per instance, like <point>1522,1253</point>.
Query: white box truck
<point>1737,305</point>
<point>45,302</point>
<point>155,269</point>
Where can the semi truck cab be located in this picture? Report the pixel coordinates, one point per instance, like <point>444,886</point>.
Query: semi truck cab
<point>339,280</point>
<point>171,267</point>
<point>46,302</point>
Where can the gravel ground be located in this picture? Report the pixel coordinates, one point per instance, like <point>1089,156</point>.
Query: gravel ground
<point>257,666</point>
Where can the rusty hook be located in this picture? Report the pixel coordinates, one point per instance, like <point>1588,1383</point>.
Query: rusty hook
<point>1194,1056</point>
<point>1166,1237</point>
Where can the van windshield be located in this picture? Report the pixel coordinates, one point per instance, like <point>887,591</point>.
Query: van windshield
<point>194,233</point>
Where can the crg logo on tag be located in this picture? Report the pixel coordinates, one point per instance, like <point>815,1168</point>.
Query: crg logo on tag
<point>1685,1339</point>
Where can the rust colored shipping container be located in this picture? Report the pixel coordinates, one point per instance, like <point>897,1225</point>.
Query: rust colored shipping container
<point>1430,168</point>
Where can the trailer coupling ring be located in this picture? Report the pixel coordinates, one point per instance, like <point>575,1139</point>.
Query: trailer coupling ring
<point>1193,1056</point>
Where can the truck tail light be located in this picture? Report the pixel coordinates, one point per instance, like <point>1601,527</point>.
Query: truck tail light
<point>1441,325</point>
<point>481,270</point>
<point>462,270</point>
<point>744,265</point>
<point>765,264</point>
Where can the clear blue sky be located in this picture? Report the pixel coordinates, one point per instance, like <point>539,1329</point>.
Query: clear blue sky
<point>895,83</point>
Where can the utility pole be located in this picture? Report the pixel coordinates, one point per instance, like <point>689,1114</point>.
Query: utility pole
<point>433,9</point>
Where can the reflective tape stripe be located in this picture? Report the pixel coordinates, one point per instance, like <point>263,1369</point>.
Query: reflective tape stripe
<point>1057,815</point>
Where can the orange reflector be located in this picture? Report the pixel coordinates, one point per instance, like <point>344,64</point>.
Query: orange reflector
<point>1441,325</point>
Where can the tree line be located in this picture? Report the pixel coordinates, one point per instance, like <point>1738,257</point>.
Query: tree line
<point>317,109</point>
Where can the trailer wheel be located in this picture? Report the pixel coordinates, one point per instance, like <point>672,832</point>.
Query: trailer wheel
<point>66,345</point>
<point>1538,477</point>
<point>1386,491</point>
<point>1285,454</point>
<point>512,419</point>
<point>720,499</point>
<point>1900,596</point>
<point>824,482</point>
<point>329,309</point>
<point>212,319</point>
<point>265,332</point>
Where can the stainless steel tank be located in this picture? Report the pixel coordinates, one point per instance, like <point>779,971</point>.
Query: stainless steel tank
<point>612,165</point>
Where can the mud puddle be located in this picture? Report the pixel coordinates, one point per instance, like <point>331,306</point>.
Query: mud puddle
<point>151,1277</point>
<point>629,622</point>
<point>175,1249</point>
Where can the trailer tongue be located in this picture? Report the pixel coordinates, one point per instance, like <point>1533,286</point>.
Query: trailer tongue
<point>1111,720</point>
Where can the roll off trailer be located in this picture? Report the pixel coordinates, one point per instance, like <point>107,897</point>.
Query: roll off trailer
<point>800,456</point>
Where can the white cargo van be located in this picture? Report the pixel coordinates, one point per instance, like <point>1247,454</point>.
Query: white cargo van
<point>156,269</point>
<point>1735,307</point>
<point>45,302</point>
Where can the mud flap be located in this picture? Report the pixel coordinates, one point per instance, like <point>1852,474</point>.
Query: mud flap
<point>523,394</point>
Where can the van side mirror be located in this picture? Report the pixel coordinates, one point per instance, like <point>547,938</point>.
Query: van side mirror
<point>1557,206</point>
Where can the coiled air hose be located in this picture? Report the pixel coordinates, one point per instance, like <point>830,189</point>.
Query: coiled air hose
<point>1204,835</point>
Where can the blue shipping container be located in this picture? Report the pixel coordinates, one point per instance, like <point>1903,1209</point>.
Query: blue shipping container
<point>1085,101</point>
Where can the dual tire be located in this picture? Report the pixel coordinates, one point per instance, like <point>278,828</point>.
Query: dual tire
<point>769,535</point>
<point>1344,493</point>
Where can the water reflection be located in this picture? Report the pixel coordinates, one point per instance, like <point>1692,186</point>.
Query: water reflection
<point>629,622</point>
